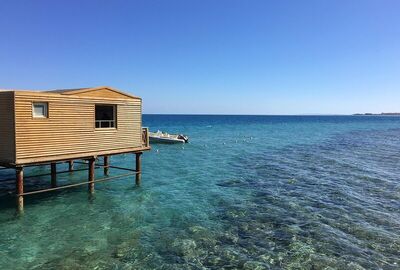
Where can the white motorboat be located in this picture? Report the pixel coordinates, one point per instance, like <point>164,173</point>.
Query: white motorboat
<point>163,137</point>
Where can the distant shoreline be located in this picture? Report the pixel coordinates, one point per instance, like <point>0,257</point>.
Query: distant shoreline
<point>377,114</point>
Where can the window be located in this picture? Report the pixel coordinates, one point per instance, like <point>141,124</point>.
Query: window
<point>105,116</point>
<point>40,109</point>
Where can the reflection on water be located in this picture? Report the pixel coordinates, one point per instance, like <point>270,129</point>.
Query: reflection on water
<point>247,192</point>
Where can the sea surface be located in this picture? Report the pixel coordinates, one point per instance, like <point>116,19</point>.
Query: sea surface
<point>247,192</point>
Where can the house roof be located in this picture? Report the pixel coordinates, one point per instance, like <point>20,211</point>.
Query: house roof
<point>78,91</point>
<point>61,91</point>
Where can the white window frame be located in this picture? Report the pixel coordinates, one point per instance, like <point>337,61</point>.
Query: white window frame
<point>45,109</point>
<point>114,121</point>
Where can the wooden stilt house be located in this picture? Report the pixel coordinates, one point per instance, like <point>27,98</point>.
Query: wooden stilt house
<point>39,127</point>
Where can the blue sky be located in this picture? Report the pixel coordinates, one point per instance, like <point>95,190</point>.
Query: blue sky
<point>217,56</point>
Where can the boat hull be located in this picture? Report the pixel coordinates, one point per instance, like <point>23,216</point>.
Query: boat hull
<point>165,140</point>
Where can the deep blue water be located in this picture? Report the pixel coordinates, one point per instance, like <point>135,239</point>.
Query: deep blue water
<point>248,192</point>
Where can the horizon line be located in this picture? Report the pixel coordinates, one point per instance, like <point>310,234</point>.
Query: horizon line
<point>222,114</point>
<point>311,114</point>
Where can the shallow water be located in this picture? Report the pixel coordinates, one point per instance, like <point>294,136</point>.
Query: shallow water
<point>248,192</point>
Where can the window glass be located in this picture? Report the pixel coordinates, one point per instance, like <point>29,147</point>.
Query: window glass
<point>105,116</point>
<point>40,109</point>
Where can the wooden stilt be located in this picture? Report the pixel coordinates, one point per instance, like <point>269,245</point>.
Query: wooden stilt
<point>91,162</point>
<point>53,174</point>
<point>138,168</point>
<point>91,175</point>
<point>20,188</point>
<point>70,165</point>
<point>106,164</point>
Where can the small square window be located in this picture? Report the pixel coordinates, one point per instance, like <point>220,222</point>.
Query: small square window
<point>40,110</point>
<point>105,116</point>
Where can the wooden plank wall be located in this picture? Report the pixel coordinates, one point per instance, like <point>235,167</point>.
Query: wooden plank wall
<point>7,129</point>
<point>70,127</point>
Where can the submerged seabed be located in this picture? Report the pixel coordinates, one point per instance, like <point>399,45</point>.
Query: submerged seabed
<point>248,192</point>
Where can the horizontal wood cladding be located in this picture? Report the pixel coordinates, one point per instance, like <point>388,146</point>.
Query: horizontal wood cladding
<point>69,130</point>
<point>7,128</point>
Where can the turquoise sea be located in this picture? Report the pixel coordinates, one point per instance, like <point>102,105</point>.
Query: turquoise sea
<point>248,192</point>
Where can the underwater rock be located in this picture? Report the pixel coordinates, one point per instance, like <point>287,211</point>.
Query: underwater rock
<point>197,229</point>
<point>80,260</point>
<point>254,265</point>
<point>213,261</point>
<point>185,248</point>
<point>231,183</point>
<point>292,181</point>
<point>123,250</point>
<point>267,258</point>
<point>234,214</point>
<point>229,238</point>
<point>355,266</point>
<point>203,237</point>
<point>127,246</point>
